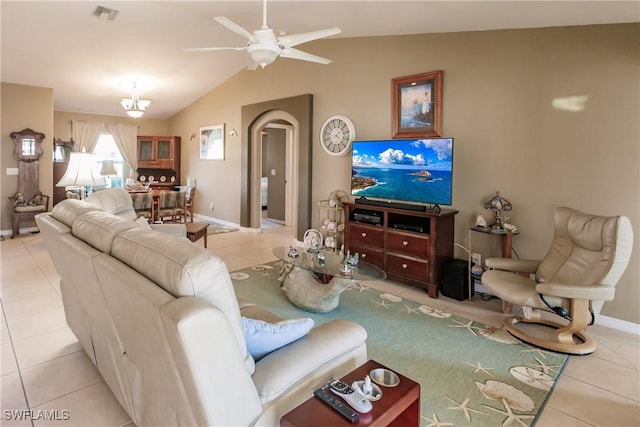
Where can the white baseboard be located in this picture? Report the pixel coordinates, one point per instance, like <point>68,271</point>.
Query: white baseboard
<point>618,324</point>
<point>606,321</point>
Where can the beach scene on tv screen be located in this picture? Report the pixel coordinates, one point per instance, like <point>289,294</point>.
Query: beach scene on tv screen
<point>418,170</point>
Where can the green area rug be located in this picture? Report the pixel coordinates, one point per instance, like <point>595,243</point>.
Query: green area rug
<point>469,373</point>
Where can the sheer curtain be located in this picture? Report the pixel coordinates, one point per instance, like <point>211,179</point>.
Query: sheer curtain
<point>125,136</point>
<point>86,134</point>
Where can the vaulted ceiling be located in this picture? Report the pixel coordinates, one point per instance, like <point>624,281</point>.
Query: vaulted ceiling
<point>91,61</point>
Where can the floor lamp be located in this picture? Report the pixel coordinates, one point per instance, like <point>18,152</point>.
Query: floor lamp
<point>82,172</point>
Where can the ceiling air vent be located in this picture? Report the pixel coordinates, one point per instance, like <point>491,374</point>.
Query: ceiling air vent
<point>104,12</point>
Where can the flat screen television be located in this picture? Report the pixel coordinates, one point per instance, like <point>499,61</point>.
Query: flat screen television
<point>404,170</point>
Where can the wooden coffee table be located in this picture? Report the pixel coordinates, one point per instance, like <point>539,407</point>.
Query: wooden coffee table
<point>197,230</point>
<point>398,406</point>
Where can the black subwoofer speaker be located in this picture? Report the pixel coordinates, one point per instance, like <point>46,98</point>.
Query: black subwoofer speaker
<point>456,280</point>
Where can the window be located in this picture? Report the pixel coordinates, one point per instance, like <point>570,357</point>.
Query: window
<point>106,149</point>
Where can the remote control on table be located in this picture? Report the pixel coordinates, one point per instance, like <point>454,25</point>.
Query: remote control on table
<point>355,399</point>
<point>337,404</point>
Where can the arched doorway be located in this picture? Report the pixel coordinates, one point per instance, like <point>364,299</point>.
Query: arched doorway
<point>298,111</point>
<point>274,116</point>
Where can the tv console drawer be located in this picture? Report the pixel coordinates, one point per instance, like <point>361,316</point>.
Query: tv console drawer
<point>369,255</point>
<point>417,269</point>
<point>368,236</point>
<point>408,244</point>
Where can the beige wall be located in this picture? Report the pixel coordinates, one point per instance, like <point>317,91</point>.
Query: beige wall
<point>499,88</point>
<point>24,107</point>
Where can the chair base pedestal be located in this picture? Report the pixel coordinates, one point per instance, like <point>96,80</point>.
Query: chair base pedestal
<point>563,340</point>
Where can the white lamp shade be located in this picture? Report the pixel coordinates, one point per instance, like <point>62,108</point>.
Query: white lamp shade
<point>82,171</point>
<point>108,168</point>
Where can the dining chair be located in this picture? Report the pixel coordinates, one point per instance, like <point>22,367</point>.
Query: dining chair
<point>171,204</point>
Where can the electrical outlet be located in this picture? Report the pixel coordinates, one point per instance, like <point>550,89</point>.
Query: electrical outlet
<point>211,206</point>
<point>476,258</point>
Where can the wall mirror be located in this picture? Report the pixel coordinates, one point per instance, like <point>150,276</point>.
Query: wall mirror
<point>28,145</point>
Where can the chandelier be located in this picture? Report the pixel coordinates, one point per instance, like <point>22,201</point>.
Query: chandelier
<point>135,105</point>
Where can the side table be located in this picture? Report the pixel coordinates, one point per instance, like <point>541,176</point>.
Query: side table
<point>196,230</point>
<point>507,242</point>
<point>398,406</point>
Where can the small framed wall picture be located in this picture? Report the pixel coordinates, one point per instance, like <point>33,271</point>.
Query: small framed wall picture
<point>417,105</point>
<point>212,142</point>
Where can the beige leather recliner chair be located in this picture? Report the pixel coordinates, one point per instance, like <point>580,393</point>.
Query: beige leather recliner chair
<point>587,257</point>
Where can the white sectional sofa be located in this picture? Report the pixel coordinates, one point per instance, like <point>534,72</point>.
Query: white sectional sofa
<point>159,318</point>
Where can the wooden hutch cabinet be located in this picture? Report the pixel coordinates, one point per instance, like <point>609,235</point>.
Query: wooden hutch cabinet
<point>410,246</point>
<point>159,157</point>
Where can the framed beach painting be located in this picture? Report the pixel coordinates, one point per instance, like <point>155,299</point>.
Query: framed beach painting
<point>417,105</point>
<point>212,142</point>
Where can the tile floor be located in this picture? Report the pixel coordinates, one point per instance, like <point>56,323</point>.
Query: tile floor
<point>44,368</point>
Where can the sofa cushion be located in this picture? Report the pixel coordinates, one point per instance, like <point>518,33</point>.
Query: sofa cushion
<point>99,228</point>
<point>114,200</point>
<point>263,337</point>
<point>182,269</point>
<point>68,210</point>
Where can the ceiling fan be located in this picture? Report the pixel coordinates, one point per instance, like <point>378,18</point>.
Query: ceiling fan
<point>264,47</point>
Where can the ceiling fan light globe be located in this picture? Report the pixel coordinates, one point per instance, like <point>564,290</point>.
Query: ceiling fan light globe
<point>263,54</point>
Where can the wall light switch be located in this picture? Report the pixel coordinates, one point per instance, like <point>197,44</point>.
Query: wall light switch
<point>273,172</point>
<point>12,171</point>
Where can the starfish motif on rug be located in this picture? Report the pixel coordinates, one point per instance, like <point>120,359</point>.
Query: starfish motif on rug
<point>382,303</point>
<point>464,406</point>
<point>360,287</point>
<point>546,368</point>
<point>469,326</point>
<point>410,310</point>
<point>480,368</point>
<point>531,349</point>
<point>511,417</point>
<point>435,422</point>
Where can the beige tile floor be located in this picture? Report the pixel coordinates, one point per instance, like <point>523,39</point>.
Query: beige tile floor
<point>44,368</point>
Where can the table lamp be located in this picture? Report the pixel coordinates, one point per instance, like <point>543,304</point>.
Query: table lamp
<point>498,204</point>
<point>82,172</point>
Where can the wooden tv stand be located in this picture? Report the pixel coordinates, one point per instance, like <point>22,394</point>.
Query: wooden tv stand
<point>410,246</point>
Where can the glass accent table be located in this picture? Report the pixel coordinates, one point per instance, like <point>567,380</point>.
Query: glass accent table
<point>315,285</point>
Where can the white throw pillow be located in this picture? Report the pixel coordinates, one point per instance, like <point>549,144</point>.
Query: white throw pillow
<point>143,223</point>
<point>263,338</point>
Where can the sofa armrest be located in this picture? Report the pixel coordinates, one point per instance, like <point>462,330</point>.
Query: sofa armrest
<point>280,371</point>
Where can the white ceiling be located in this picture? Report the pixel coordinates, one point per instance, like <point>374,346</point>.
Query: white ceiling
<point>91,63</point>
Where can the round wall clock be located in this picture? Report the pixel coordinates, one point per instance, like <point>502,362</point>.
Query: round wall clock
<point>337,134</point>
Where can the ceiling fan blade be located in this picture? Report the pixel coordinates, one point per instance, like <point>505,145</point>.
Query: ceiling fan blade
<point>296,39</point>
<point>304,56</point>
<point>234,27</point>
<point>211,49</point>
